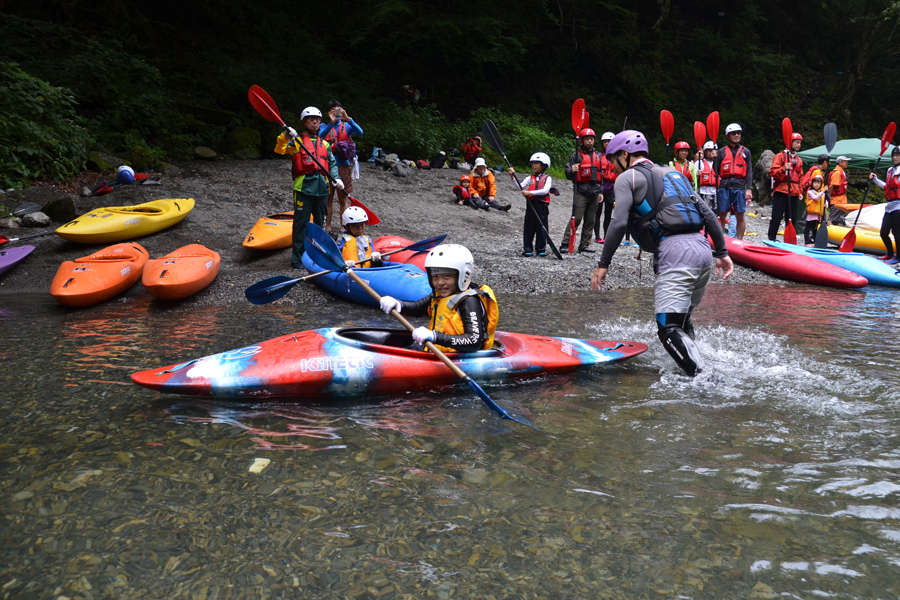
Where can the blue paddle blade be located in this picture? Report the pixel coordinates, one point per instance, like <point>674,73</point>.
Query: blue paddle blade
<point>830,136</point>
<point>270,290</point>
<point>494,406</point>
<point>322,249</point>
<point>427,244</point>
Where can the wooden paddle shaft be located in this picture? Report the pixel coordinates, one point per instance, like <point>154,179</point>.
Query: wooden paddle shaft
<point>456,370</point>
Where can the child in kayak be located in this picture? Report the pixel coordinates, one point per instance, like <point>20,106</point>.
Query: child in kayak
<point>463,315</point>
<point>815,197</point>
<point>354,243</point>
<point>536,189</point>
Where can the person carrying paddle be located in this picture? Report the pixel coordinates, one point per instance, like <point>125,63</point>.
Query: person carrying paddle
<point>536,190</point>
<point>786,170</point>
<point>585,168</point>
<point>815,203</point>
<point>608,197</point>
<point>463,315</point>
<point>337,133</point>
<point>666,216</point>
<point>309,155</point>
<point>354,243</point>
<point>484,186</point>
<point>891,222</point>
<point>735,175</point>
<point>683,164</point>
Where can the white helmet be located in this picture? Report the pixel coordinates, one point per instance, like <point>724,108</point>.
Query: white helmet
<point>354,214</point>
<point>479,162</point>
<point>607,136</point>
<point>540,157</point>
<point>710,145</point>
<point>454,259</point>
<point>732,127</point>
<point>310,111</point>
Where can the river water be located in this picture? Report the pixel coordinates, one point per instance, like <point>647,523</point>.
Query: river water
<point>774,474</point>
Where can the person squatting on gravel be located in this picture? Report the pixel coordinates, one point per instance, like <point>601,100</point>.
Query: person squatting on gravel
<point>536,190</point>
<point>463,315</point>
<point>309,155</point>
<point>585,169</point>
<point>485,186</point>
<point>354,243</point>
<point>337,133</point>
<point>665,216</point>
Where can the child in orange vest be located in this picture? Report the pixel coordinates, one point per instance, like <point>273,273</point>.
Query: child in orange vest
<point>815,199</point>
<point>354,243</point>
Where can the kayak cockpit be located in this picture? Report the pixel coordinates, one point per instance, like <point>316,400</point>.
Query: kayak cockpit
<point>386,340</point>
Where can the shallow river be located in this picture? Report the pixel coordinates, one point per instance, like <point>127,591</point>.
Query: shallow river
<point>776,474</point>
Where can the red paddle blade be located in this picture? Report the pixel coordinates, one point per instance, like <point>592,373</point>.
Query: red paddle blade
<point>373,218</point>
<point>667,124</point>
<point>578,115</point>
<point>712,126</point>
<point>849,241</point>
<point>888,136</point>
<point>264,104</point>
<point>786,132</point>
<point>587,120</point>
<point>572,231</point>
<point>699,134</point>
<point>790,234</point>
<point>4,239</point>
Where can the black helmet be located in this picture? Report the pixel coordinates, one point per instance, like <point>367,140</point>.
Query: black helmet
<point>895,151</point>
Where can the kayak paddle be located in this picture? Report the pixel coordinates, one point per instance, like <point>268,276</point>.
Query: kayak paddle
<point>25,209</point>
<point>787,132</point>
<point>266,107</point>
<point>667,123</point>
<point>489,131</point>
<point>275,288</point>
<point>849,241</point>
<point>712,130</point>
<point>822,231</point>
<point>578,116</point>
<point>324,251</point>
<point>699,136</point>
<point>6,240</point>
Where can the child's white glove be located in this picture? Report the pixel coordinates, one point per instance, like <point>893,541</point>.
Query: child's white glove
<point>388,304</point>
<point>350,263</point>
<point>422,335</point>
<point>339,184</point>
<point>291,133</point>
<point>376,256</point>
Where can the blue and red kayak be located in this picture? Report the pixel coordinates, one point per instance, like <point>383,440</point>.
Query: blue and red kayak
<point>404,282</point>
<point>334,362</point>
<point>875,271</point>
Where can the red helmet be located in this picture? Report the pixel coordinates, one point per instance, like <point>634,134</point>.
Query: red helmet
<point>587,132</point>
<point>796,136</point>
<point>465,178</point>
<point>681,146</point>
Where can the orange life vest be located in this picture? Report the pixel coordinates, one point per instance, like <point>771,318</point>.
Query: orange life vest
<point>356,248</point>
<point>842,188</point>
<point>733,165</point>
<point>303,164</point>
<point>589,168</point>
<point>445,317</point>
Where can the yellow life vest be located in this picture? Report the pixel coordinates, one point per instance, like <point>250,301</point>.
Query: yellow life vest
<point>445,318</point>
<point>356,248</point>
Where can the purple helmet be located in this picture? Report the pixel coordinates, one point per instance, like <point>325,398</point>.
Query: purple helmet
<point>630,141</point>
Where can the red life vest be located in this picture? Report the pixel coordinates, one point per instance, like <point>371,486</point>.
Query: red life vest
<point>338,133</point>
<point>841,189</point>
<point>684,169</point>
<point>733,165</point>
<point>892,187</point>
<point>302,163</point>
<point>589,168</point>
<point>609,174</point>
<point>707,175</point>
<point>537,183</point>
<point>795,169</point>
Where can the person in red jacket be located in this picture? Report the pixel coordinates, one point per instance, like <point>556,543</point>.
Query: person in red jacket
<point>786,170</point>
<point>472,148</point>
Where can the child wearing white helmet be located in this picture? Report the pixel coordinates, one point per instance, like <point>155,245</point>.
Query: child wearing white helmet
<point>484,186</point>
<point>354,243</point>
<point>706,175</point>
<point>463,315</point>
<point>536,189</point>
<point>310,155</point>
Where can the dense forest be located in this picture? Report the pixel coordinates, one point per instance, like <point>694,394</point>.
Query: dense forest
<point>167,75</point>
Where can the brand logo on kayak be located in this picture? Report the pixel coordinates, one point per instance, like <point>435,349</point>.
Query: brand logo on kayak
<point>125,271</point>
<point>209,265</point>
<point>567,348</point>
<point>333,363</point>
<point>241,353</point>
<point>132,221</point>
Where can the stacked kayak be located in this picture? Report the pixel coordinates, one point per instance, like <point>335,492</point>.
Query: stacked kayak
<point>404,282</point>
<point>181,273</point>
<point>875,271</point>
<point>118,223</point>
<point>9,258</point>
<point>791,266</point>
<point>357,361</point>
<point>850,207</point>
<point>99,276</point>
<point>870,217</point>
<point>271,233</point>
<point>388,243</point>
<point>866,241</point>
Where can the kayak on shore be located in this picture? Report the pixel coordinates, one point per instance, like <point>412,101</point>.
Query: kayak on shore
<point>866,241</point>
<point>271,233</point>
<point>11,257</point>
<point>333,362</point>
<point>99,276</point>
<point>875,271</point>
<point>120,223</point>
<point>181,273</point>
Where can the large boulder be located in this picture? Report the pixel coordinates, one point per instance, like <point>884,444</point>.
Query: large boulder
<point>13,223</point>
<point>243,143</point>
<point>36,219</point>
<point>761,180</point>
<point>204,153</point>
<point>141,158</point>
<point>104,163</point>
<point>167,169</point>
<point>61,210</point>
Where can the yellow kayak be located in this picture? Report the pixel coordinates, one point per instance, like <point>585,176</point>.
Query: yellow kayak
<point>271,233</point>
<point>866,241</point>
<point>118,223</point>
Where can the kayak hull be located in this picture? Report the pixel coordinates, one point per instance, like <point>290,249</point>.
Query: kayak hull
<point>388,243</point>
<point>11,257</point>
<point>866,241</point>
<point>334,362</point>
<point>404,282</point>
<point>99,276</point>
<point>785,264</point>
<point>875,271</point>
<point>120,223</point>
<point>181,273</point>
<point>271,233</point>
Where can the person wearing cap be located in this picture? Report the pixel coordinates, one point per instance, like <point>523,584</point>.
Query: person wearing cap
<point>484,186</point>
<point>669,228</point>
<point>837,182</point>
<point>585,169</point>
<point>706,176</point>
<point>309,155</point>
<point>608,197</point>
<point>536,190</point>
<point>682,163</point>
<point>786,170</point>
<point>734,171</point>
<point>891,222</point>
<point>337,132</point>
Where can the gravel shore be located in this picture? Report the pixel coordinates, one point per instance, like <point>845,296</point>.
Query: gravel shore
<point>231,195</point>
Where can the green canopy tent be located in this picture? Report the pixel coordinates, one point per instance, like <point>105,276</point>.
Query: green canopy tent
<point>863,153</point>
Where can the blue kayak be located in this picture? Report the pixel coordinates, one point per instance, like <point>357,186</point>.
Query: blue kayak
<point>869,267</point>
<point>404,282</point>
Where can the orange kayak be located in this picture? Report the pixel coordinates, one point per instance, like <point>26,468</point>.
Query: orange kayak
<point>271,233</point>
<point>849,207</point>
<point>181,273</point>
<point>100,276</point>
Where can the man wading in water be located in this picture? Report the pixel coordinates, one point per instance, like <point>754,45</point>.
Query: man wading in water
<point>665,216</point>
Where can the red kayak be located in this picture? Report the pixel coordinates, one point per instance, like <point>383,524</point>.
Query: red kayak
<point>386,243</point>
<point>785,264</point>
